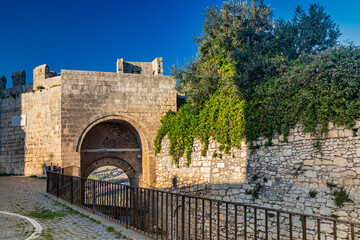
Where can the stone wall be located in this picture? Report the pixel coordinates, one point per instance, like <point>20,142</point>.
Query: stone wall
<point>89,98</point>
<point>282,175</point>
<point>27,144</point>
<point>53,114</point>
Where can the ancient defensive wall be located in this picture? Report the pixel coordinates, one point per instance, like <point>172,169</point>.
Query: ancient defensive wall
<point>87,119</point>
<point>303,175</point>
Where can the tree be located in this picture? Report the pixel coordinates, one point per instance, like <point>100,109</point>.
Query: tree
<point>242,45</point>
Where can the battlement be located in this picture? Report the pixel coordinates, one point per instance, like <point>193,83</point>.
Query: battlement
<point>146,68</point>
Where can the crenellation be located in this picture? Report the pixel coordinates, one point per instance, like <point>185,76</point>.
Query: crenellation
<point>18,78</point>
<point>2,83</point>
<point>59,108</point>
<point>144,68</point>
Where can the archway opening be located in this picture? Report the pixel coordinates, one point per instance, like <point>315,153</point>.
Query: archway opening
<point>113,143</point>
<point>110,174</point>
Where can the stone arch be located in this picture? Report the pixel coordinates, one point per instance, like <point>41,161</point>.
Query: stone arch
<point>137,158</point>
<point>115,162</point>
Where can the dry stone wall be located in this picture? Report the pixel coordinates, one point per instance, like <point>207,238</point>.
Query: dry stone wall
<point>292,176</point>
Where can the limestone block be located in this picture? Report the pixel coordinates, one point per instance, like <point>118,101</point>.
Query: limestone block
<point>348,182</point>
<point>311,174</point>
<point>358,152</point>
<point>349,174</point>
<point>287,152</point>
<point>341,162</point>
<point>333,134</point>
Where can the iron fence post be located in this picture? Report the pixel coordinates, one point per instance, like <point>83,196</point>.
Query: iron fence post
<point>71,190</point>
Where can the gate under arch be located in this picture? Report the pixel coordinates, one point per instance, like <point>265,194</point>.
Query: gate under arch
<point>112,142</point>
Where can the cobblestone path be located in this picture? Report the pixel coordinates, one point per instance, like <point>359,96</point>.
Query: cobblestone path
<point>26,196</point>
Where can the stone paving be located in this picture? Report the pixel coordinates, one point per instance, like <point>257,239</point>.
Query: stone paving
<point>26,196</point>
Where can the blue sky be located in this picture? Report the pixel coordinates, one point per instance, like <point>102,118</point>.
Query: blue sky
<point>91,35</point>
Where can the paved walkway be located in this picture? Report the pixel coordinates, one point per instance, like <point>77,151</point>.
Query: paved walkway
<point>26,196</point>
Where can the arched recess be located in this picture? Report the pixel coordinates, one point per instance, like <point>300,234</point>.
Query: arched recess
<point>114,162</point>
<point>114,141</point>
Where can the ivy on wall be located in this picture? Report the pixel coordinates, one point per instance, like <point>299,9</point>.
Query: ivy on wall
<point>313,91</point>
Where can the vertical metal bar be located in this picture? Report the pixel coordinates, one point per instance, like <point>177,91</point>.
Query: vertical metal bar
<point>278,225</point>
<point>126,206</point>
<point>58,185</point>
<point>162,211</point>
<point>227,221</point>
<point>203,219</point>
<point>235,230</point>
<point>142,204</point>
<point>304,227</point>
<point>245,223</point>
<point>266,225</point>
<point>196,209</point>
<point>136,204</point>
<point>189,220</point>
<point>352,231</point>
<point>157,214</point>
<point>93,183</point>
<point>182,217</point>
<point>149,211</point>
<point>71,190</point>
<point>166,216</point>
<point>171,215</point>
<point>318,229</point>
<point>218,220</point>
<point>210,220</point>
<point>47,180</point>
<point>177,217</point>
<point>335,232</point>
<point>153,213</point>
<point>291,226</point>
<point>255,223</point>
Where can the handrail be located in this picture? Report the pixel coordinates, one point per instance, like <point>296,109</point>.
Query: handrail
<point>135,199</point>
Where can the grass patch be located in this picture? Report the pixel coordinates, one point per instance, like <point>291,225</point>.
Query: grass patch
<point>341,197</point>
<point>110,229</point>
<point>32,176</point>
<point>95,221</point>
<point>47,214</point>
<point>312,193</point>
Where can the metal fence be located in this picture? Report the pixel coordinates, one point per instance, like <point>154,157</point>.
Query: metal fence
<point>166,215</point>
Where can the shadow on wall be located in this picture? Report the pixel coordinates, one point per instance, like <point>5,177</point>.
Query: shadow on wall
<point>12,121</point>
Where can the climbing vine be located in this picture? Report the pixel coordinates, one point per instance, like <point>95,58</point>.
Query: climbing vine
<point>311,91</point>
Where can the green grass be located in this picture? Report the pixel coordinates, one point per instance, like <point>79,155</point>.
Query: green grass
<point>47,214</point>
<point>95,221</point>
<point>110,229</point>
<point>32,176</point>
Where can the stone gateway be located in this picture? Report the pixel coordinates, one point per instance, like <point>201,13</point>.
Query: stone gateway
<point>85,119</point>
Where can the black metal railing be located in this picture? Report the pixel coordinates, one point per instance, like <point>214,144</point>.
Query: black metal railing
<point>166,215</point>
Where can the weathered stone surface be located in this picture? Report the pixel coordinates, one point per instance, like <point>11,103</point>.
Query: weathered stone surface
<point>341,162</point>
<point>61,110</point>
<point>2,82</point>
<point>18,78</point>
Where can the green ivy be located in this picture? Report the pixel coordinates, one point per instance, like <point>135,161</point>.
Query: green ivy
<point>311,91</point>
<point>225,125</point>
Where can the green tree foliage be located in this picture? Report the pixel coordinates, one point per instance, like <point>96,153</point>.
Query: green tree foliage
<point>257,76</point>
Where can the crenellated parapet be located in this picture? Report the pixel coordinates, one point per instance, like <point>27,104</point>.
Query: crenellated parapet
<point>145,68</point>
<point>2,83</point>
<point>43,77</point>
<point>19,86</point>
<point>18,78</point>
